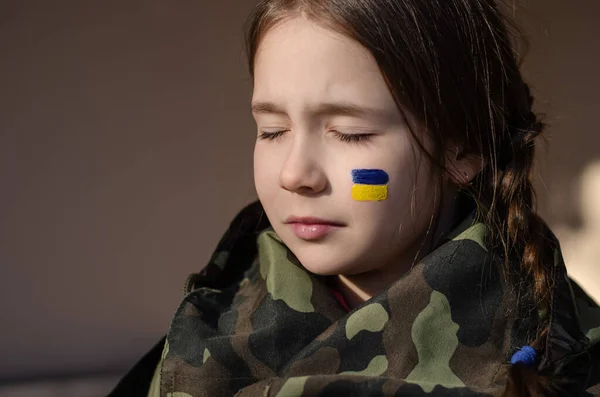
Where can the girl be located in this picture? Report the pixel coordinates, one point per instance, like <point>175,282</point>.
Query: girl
<point>400,253</point>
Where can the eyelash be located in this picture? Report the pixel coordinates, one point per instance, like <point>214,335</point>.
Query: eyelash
<point>353,138</point>
<point>348,138</point>
<point>271,136</point>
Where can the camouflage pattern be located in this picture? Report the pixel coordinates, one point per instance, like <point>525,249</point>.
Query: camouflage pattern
<point>254,322</point>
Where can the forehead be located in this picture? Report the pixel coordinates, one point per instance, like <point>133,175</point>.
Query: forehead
<point>300,62</point>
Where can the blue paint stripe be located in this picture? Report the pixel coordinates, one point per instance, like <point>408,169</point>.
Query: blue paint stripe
<point>370,177</point>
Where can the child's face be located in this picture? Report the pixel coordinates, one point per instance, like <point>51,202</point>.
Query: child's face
<point>306,171</point>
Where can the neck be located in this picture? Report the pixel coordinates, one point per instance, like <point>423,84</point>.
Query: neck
<point>358,288</point>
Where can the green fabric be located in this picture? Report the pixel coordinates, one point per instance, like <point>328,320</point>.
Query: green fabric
<point>276,268</point>
<point>475,233</point>
<point>371,318</point>
<point>293,387</point>
<point>154,390</point>
<point>257,323</point>
<point>434,336</point>
<point>206,356</point>
<point>376,367</point>
<point>589,318</point>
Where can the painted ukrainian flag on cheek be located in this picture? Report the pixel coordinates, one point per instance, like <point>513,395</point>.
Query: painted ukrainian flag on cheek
<point>369,185</point>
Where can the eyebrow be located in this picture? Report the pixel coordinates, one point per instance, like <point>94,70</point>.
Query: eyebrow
<point>323,109</point>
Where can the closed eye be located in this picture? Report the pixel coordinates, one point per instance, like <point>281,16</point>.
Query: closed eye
<point>348,138</point>
<point>353,138</point>
<point>271,136</point>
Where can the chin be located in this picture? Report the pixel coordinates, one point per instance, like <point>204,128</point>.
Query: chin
<point>321,269</point>
<point>328,267</point>
<point>324,258</point>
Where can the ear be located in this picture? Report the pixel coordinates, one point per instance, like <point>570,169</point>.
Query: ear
<point>462,167</point>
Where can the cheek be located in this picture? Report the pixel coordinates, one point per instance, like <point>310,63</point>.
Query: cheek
<point>388,215</point>
<point>266,173</point>
<point>409,203</point>
<point>413,198</point>
<point>260,172</point>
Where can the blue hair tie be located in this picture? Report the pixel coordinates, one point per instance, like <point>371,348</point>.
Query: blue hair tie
<point>525,355</point>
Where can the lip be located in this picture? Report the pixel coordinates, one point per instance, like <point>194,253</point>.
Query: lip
<point>311,228</point>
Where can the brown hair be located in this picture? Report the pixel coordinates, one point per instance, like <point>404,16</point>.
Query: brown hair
<point>451,64</point>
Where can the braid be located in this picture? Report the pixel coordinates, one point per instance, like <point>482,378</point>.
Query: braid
<point>523,236</point>
<point>519,231</point>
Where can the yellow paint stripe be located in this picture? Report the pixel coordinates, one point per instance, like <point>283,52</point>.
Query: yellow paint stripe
<point>369,192</point>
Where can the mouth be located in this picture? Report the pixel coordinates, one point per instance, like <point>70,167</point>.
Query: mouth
<point>310,228</point>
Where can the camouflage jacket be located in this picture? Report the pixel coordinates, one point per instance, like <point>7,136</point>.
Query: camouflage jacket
<point>254,322</point>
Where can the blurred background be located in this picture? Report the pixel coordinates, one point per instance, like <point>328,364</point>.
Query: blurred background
<point>116,116</point>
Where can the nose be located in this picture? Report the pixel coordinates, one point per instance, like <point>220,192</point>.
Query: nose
<point>302,171</point>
